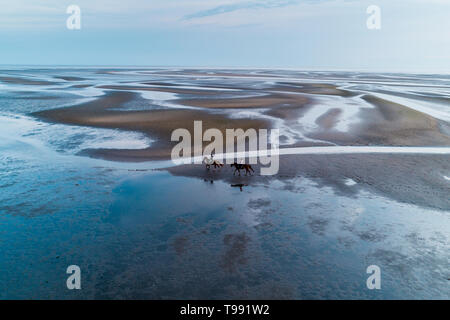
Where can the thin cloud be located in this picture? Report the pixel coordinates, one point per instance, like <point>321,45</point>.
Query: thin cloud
<point>260,4</point>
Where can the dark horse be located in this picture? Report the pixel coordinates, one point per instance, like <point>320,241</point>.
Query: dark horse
<point>241,166</point>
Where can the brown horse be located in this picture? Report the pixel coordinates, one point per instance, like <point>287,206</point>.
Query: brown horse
<point>242,166</point>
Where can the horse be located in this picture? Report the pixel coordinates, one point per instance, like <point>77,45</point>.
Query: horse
<point>241,166</point>
<point>211,161</point>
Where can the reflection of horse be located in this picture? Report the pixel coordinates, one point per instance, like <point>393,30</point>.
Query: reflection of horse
<point>242,166</point>
<point>211,161</point>
<point>240,185</point>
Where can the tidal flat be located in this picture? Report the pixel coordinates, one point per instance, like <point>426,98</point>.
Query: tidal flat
<point>86,179</point>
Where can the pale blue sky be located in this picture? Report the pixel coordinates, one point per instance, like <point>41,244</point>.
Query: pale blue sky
<point>304,34</point>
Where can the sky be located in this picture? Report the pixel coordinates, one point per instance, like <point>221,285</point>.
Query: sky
<point>299,34</point>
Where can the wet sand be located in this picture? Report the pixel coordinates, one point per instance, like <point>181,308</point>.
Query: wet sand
<point>394,124</point>
<point>267,101</point>
<point>68,78</point>
<point>386,123</point>
<point>162,89</point>
<point>313,88</point>
<point>207,73</point>
<point>23,81</point>
<point>329,119</point>
<point>158,124</point>
<point>407,178</point>
<point>416,179</point>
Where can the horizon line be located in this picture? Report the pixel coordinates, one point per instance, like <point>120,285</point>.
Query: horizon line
<point>318,69</point>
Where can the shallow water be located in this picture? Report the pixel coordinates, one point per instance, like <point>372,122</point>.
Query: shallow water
<point>138,233</point>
